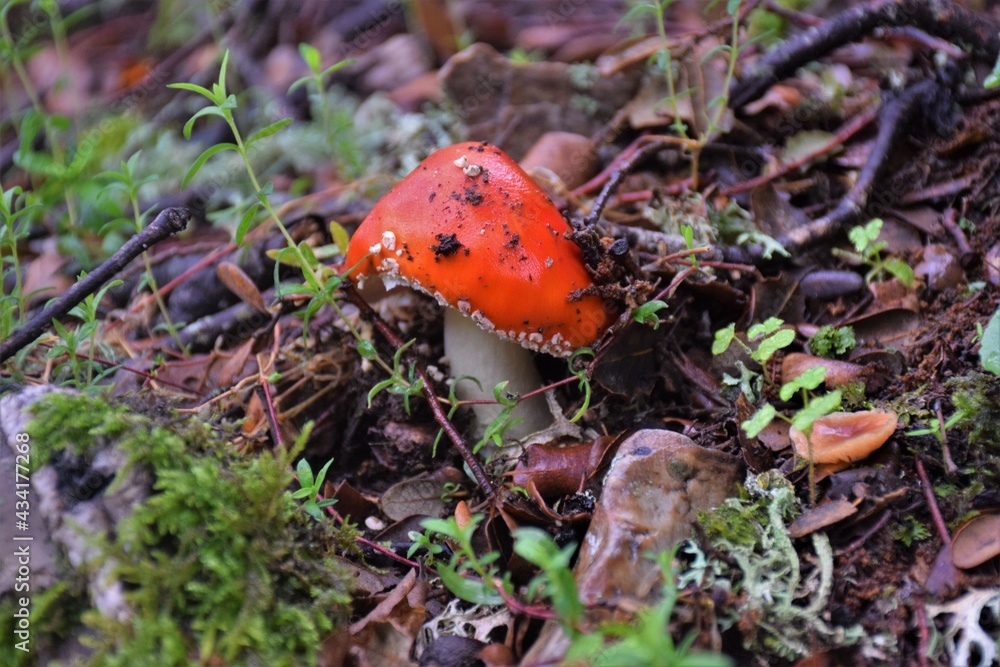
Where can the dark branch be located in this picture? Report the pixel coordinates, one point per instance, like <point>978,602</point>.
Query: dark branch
<point>166,224</point>
<point>940,18</point>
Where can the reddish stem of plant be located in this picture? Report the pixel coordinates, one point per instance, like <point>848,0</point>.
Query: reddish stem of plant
<point>516,606</point>
<point>440,417</point>
<point>923,635</point>
<point>272,418</point>
<point>844,133</point>
<point>932,503</point>
<point>389,553</point>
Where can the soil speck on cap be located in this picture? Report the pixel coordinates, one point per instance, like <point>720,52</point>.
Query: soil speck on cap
<point>448,244</point>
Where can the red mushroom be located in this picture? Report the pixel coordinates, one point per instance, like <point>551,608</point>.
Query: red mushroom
<point>469,227</point>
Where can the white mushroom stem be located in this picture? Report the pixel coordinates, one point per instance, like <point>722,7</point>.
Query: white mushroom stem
<point>491,360</point>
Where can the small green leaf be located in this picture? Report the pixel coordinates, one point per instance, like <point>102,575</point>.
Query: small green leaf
<point>816,408</point>
<point>194,88</point>
<point>989,345</point>
<point>901,270</point>
<point>809,380</point>
<point>500,395</point>
<point>263,133</point>
<point>336,67</point>
<point>723,339</point>
<point>340,236</point>
<point>770,325</point>
<point>310,54</point>
<point>993,80</point>
<point>379,387</point>
<point>321,476</point>
<point>753,426</point>
<point>776,341</point>
<point>647,313</point>
<point>222,71</point>
<point>687,232</point>
<point>305,473</point>
<point>246,222</point>
<point>470,590</point>
<point>203,158</point>
<point>207,111</point>
<point>299,82</point>
<point>367,350</point>
<point>307,254</point>
<point>265,192</point>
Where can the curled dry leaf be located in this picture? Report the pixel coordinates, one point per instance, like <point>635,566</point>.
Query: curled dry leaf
<point>572,157</point>
<point>845,436</point>
<point>560,471</point>
<point>821,516</point>
<point>414,496</point>
<point>977,541</point>
<point>240,284</point>
<point>838,373</point>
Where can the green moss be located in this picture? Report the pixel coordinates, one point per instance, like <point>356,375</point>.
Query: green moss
<point>829,341</point>
<point>221,565</point>
<point>977,396</point>
<point>75,422</point>
<point>55,613</point>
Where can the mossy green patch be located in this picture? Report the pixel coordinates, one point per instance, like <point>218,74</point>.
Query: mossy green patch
<point>221,564</point>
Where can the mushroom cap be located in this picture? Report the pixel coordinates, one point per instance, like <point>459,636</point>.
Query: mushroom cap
<point>845,436</point>
<point>469,227</point>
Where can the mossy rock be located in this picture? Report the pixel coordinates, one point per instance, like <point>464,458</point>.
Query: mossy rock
<point>217,563</point>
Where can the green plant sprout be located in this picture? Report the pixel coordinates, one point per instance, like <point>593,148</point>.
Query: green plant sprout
<point>336,124</point>
<point>321,282</point>
<point>469,576</point>
<point>311,487</point>
<point>645,643</point>
<point>58,164</point>
<point>125,180</point>
<point>647,313</point>
<point>555,581</point>
<point>766,339</point>
<point>868,251</point>
<point>662,60</point>
<point>12,232</point>
<point>401,383</point>
<point>71,340</point>
<point>936,428</point>
<point>769,338</point>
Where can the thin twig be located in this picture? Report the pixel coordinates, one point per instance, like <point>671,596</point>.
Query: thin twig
<point>940,18</point>
<point>846,131</point>
<point>616,178</point>
<point>932,505</point>
<point>923,633</point>
<point>440,417</point>
<point>169,222</point>
<point>894,120</point>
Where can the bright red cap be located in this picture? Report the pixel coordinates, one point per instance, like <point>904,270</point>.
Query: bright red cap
<point>469,227</point>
